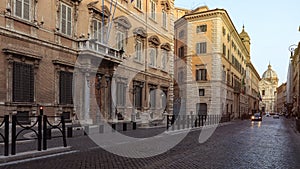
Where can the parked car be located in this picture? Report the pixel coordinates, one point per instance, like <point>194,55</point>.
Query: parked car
<point>276,116</point>
<point>256,117</point>
<point>267,114</point>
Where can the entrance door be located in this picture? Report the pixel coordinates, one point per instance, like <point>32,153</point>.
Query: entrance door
<point>201,108</point>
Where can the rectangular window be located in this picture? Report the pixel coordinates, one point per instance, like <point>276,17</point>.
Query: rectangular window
<point>23,82</point>
<point>138,4</point>
<point>201,92</point>
<point>201,28</point>
<point>65,87</point>
<point>181,76</point>
<point>66,19</point>
<point>201,74</point>
<point>138,97</point>
<point>153,10</point>
<point>164,59</point>
<point>152,57</point>
<point>121,94</point>
<point>201,48</point>
<point>138,51</point>
<point>164,97</point>
<point>181,34</point>
<point>120,40</point>
<point>22,9</point>
<point>224,49</point>
<point>152,98</point>
<point>164,19</point>
<point>181,51</point>
<point>96,30</point>
<point>263,92</point>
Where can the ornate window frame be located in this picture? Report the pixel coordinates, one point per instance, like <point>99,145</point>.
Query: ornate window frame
<point>122,25</point>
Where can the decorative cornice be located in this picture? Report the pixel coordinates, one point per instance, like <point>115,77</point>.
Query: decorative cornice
<point>23,52</point>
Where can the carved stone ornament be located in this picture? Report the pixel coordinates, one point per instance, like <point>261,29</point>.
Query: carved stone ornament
<point>166,46</point>
<point>122,21</point>
<point>154,40</point>
<point>140,31</point>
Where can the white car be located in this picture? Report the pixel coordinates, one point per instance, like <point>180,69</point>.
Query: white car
<point>276,116</point>
<point>267,114</point>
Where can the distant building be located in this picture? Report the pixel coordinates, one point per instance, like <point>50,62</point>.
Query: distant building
<point>294,92</point>
<point>267,87</point>
<point>280,105</point>
<point>213,69</point>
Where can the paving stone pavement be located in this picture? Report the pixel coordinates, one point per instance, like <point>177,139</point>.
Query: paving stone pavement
<point>242,144</point>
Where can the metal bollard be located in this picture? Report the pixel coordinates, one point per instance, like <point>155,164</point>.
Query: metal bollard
<point>86,130</point>
<point>113,126</point>
<point>124,126</point>
<point>69,131</point>
<point>134,125</point>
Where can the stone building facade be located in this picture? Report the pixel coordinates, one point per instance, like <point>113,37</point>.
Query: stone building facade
<point>281,102</point>
<point>267,87</point>
<point>212,64</point>
<point>86,61</point>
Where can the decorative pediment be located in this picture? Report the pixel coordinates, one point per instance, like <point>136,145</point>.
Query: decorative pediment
<point>166,46</point>
<point>166,5</point>
<point>154,40</point>
<point>92,7</point>
<point>140,31</point>
<point>122,21</point>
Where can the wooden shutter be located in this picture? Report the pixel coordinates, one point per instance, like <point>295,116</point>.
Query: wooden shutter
<point>63,18</point>
<point>26,9</point>
<point>69,21</point>
<point>18,8</point>
<point>65,88</point>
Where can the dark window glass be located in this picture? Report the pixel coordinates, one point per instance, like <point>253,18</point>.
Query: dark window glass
<point>23,82</point>
<point>65,88</point>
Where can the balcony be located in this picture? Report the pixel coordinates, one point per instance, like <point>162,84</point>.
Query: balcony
<point>94,48</point>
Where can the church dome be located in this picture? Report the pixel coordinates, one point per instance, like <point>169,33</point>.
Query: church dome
<point>269,74</point>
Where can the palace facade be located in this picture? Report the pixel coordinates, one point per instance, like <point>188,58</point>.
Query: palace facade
<point>212,64</point>
<point>87,60</point>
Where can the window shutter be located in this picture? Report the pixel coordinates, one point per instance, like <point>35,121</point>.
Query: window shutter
<point>95,30</point>
<point>16,82</point>
<point>18,11</point>
<point>63,18</point>
<point>26,9</point>
<point>197,74</point>
<point>69,21</point>
<point>198,48</point>
<point>65,88</point>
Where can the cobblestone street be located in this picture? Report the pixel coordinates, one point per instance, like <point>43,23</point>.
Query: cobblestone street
<point>273,143</point>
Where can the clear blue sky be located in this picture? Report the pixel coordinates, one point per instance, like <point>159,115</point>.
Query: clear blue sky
<point>271,25</point>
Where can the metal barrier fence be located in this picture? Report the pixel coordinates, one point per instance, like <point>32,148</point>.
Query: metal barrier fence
<point>15,134</point>
<point>48,127</point>
<point>40,127</point>
<point>190,121</point>
<point>4,135</point>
